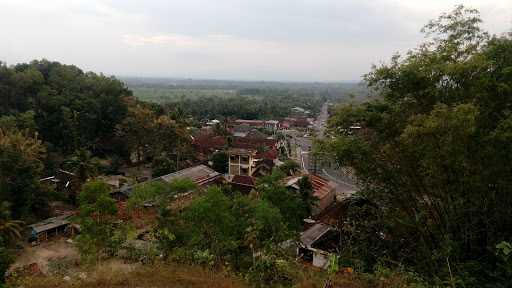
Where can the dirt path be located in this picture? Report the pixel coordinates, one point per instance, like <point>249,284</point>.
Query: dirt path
<point>45,252</point>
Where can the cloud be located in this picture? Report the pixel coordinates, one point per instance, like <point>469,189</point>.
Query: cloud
<point>240,39</point>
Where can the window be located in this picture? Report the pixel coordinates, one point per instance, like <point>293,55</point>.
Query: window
<point>244,171</point>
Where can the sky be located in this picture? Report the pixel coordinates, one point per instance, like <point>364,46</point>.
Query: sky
<point>273,40</point>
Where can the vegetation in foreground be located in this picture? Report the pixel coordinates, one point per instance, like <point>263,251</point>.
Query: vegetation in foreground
<point>433,157</point>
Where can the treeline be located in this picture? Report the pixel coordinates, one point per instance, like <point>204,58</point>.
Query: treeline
<point>66,106</point>
<point>209,99</point>
<point>260,104</point>
<point>433,157</point>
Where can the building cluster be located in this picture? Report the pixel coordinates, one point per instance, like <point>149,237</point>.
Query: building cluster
<point>253,150</point>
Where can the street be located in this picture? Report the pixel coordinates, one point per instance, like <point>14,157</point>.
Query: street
<point>346,185</point>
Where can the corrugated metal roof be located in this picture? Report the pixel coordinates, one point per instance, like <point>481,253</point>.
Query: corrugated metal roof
<point>50,223</point>
<point>200,175</point>
<point>310,236</point>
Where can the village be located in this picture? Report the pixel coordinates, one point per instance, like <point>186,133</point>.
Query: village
<point>253,148</point>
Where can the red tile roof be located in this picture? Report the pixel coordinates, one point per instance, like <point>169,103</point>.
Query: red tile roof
<point>321,186</point>
<point>243,180</point>
<point>270,154</point>
<point>208,143</point>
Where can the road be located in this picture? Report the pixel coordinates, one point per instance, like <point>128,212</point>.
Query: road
<point>346,186</point>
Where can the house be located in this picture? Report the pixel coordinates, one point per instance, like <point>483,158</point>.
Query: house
<point>296,122</point>
<point>201,175</point>
<point>251,162</point>
<point>317,243</point>
<point>241,130</point>
<point>272,125</point>
<point>49,228</point>
<point>323,189</point>
<point>263,167</point>
<point>241,161</point>
<point>207,144</point>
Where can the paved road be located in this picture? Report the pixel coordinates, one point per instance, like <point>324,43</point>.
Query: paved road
<point>346,186</point>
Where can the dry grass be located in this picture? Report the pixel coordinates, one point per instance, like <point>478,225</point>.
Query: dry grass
<point>142,276</point>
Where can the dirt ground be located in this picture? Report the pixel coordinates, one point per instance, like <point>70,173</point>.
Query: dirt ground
<point>43,253</point>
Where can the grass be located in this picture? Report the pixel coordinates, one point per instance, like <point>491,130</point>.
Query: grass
<point>179,276</point>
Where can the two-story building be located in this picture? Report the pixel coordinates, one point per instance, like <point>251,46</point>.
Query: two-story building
<point>242,161</point>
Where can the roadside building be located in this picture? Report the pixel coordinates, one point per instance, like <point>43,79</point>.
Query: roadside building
<point>202,175</point>
<point>241,161</point>
<point>272,125</point>
<point>251,162</point>
<point>317,243</point>
<point>49,228</point>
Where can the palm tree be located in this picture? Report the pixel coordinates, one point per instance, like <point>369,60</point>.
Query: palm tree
<point>83,164</point>
<point>9,229</point>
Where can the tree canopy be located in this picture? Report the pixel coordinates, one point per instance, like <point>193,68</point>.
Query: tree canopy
<point>434,149</point>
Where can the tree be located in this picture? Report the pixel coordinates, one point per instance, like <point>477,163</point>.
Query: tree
<point>211,223</point>
<point>229,230</point>
<point>138,129</point>
<point>289,167</point>
<point>162,165</point>
<point>83,164</point>
<point>271,189</point>
<point>306,194</point>
<point>97,216</point>
<point>220,162</point>
<point>20,171</point>
<point>5,261</point>
<point>9,229</point>
<point>431,152</point>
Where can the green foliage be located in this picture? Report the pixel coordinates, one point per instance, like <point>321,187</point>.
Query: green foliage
<point>159,193</point>
<point>503,272</point>
<point>289,167</point>
<point>72,109</point>
<point>270,272</point>
<point>219,103</point>
<point>220,162</point>
<point>217,229</point>
<point>20,170</point>
<point>433,154</point>
<point>162,165</point>
<point>10,229</point>
<point>5,261</point>
<point>83,164</point>
<point>306,194</point>
<point>22,121</point>
<point>289,203</point>
<point>97,217</point>
<point>212,223</point>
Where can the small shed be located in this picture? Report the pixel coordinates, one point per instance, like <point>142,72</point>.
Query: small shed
<point>49,228</point>
<point>316,243</point>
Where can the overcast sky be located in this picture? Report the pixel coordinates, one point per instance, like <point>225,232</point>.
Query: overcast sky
<point>285,40</point>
